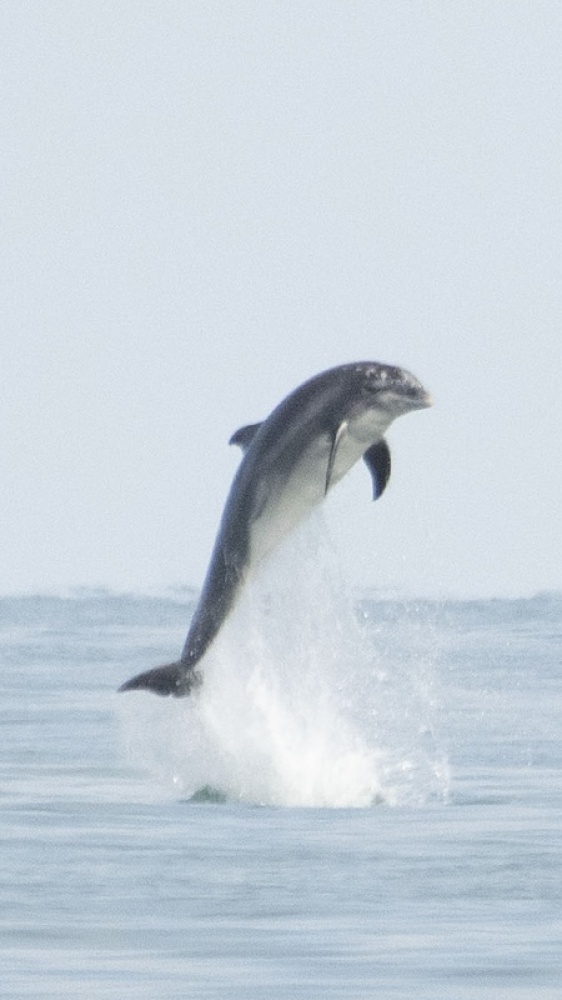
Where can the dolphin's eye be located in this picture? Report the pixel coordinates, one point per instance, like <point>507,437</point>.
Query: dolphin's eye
<point>370,388</point>
<point>372,384</point>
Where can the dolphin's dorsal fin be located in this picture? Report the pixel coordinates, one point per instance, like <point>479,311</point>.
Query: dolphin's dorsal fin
<point>331,461</point>
<point>244,436</point>
<point>377,460</point>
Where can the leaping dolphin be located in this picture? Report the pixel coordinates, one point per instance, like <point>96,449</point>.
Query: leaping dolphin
<point>290,462</point>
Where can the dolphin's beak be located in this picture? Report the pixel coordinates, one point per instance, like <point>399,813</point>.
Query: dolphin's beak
<point>405,400</point>
<point>420,401</point>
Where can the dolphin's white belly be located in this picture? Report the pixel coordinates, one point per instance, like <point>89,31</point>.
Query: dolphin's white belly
<point>284,500</point>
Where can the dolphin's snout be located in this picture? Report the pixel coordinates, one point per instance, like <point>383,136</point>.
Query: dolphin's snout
<point>415,397</point>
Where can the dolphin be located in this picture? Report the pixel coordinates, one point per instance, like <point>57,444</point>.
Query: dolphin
<point>290,462</point>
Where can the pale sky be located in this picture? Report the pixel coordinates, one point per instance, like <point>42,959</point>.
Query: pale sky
<point>205,203</point>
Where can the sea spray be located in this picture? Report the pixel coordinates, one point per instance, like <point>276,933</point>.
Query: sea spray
<point>304,702</point>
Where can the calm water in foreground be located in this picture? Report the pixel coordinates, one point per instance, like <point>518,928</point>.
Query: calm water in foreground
<point>389,814</point>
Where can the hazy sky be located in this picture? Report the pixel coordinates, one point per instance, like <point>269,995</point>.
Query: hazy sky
<point>205,203</point>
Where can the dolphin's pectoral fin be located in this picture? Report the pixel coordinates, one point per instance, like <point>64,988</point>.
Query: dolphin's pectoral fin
<point>338,435</point>
<point>244,436</point>
<point>177,679</point>
<point>377,460</point>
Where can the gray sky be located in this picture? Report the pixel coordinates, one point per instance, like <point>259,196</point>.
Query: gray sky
<point>205,203</point>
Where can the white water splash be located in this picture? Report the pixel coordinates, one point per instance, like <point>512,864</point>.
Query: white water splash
<point>293,710</point>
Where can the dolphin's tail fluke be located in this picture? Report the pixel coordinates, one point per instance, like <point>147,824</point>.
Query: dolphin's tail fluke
<point>177,679</point>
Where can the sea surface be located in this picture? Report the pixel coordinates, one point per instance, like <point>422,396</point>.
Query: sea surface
<point>363,800</point>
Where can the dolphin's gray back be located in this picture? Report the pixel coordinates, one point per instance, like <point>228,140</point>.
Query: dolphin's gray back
<point>222,582</point>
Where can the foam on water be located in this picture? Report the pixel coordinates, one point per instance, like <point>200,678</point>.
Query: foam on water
<point>296,708</point>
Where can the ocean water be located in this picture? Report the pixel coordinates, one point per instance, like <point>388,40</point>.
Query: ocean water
<point>363,800</point>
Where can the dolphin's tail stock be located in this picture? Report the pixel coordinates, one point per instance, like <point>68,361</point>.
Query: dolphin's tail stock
<point>178,679</point>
